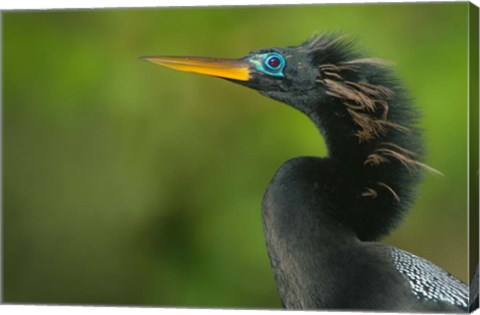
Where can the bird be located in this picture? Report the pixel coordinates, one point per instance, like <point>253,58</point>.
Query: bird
<point>324,217</point>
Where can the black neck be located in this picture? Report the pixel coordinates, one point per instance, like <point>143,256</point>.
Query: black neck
<point>299,237</point>
<point>374,175</point>
<point>314,254</point>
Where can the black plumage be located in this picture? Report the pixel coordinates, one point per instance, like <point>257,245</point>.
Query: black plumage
<point>323,216</point>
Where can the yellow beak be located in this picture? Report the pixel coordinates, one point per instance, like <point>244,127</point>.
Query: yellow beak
<point>224,68</point>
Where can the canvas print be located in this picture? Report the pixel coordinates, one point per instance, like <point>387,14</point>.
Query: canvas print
<point>306,157</point>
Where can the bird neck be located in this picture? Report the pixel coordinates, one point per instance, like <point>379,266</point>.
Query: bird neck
<point>302,233</point>
<point>373,156</point>
<point>342,144</point>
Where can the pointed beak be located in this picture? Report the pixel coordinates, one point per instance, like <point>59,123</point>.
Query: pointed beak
<point>235,69</point>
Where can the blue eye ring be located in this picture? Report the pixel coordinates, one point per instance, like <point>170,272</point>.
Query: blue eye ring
<point>269,63</point>
<point>274,62</point>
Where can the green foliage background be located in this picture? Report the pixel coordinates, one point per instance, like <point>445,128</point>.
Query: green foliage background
<point>127,183</point>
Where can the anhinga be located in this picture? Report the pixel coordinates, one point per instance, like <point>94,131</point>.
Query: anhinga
<point>323,216</point>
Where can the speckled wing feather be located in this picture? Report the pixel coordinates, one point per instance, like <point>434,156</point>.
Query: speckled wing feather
<point>428,281</point>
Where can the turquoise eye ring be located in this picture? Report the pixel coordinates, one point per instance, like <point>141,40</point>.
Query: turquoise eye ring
<point>274,64</point>
<point>269,63</point>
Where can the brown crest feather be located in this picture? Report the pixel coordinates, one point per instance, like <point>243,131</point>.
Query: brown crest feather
<point>368,106</point>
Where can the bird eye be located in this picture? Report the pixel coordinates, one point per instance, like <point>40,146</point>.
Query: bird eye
<point>269,63</point>
<point>274,62</point>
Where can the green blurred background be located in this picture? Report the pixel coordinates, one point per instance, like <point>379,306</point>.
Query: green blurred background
<point>128,183</point>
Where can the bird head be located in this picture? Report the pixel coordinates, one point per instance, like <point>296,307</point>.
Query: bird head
<point>290,75</point>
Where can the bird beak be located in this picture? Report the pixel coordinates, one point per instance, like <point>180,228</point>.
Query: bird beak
<point>235,69</point>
